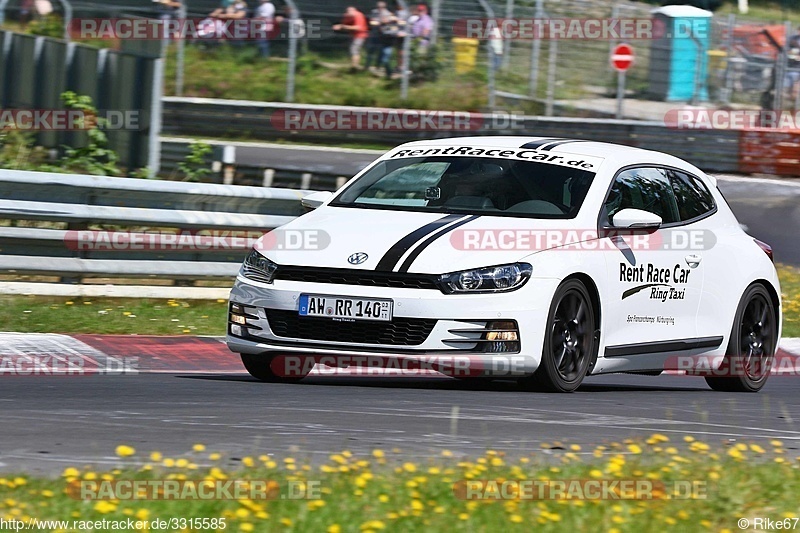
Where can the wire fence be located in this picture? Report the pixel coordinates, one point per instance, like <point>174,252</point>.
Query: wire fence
<point>735,62</point>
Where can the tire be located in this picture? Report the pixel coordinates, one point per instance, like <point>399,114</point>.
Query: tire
<point>259,366</point>
<point>569,341</point>
<point>751,350</point>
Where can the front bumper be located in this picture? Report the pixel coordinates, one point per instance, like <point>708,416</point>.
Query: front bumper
<point>455,318</point>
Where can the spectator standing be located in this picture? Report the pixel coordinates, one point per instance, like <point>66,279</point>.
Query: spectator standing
<point>392,33</point>
<point>496,47</point>
<point>379,16</point>
<point>265,13</point>
<point>422,27</point>
<point>355,22</point>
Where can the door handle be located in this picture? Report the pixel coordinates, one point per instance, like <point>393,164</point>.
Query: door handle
<point>693,260</point>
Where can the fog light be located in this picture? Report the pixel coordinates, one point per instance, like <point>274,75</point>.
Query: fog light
<point>236,330</point>
<point>238,319</point>
<point>502,336</point>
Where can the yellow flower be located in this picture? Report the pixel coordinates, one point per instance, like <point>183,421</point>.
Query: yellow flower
<point>248,462</point>
<point>447,453</point>
<point>596,473</point>
<point>409,467</point>
<point>71,472</point>
<point>125,451</point>
<point>383,498</point>
<point>199,447</point>
<point>142,514</point>
<point>334,528</point>
<point>517,519</point>
<point>169,463</point>
<point>246,526</point>
<point>286,522</point>
<point>756,448</point>
<point>378,454</point>
<point>104,507</point>
<point>463,516</point>
<point>634,448</point>
<point>736,453</point>
<point>214,456</point>
<point>156,457</point>
<point>182,463</point>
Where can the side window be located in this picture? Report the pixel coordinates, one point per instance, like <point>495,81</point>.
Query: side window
<point>644,188</point>
<point>692,196</point>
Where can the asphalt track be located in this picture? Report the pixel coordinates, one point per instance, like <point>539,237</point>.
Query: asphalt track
<point>50,422</point>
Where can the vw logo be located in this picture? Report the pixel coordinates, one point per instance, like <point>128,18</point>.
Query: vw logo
<point>357,258</point>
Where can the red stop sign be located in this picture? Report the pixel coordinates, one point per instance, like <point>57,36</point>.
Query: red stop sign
<point>622,57</point>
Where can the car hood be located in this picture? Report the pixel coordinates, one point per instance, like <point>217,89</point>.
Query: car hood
<point>408,241</point>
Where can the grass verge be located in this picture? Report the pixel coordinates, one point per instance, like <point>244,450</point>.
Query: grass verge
<point>386,491</point>
<point>47,314</point>
<point>43,314</point>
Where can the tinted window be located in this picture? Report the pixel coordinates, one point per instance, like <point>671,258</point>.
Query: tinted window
<point>643,188</point>
<point>480,185</point>
<point>691,194</point>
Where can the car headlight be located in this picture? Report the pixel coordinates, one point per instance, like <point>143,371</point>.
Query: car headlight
<point>490,279</point>
<point>258,268</point>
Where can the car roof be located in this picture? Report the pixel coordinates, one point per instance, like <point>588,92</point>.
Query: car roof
<point>553,144</point>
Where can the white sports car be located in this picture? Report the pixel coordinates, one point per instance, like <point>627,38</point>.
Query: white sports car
<point>544,260</point>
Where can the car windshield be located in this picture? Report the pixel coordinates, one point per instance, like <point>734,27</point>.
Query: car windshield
<point>474,185</point>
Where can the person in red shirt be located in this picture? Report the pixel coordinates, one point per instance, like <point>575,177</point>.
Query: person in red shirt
<point>355,22</point>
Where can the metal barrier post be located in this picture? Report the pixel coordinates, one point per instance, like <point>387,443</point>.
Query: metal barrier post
<point>436,6</point>
<point>406,63</point>
<point>294,15</point>
<point>154,131</point>
<point>507,42</point>
<point>536,49</point>
<point>179,54</point>
<point>725,92</point>
<point>780,69</point>
<point>551,77</point>
<point>490,14</point>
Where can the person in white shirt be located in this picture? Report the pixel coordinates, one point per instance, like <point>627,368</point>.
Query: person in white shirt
<point>266,14</point>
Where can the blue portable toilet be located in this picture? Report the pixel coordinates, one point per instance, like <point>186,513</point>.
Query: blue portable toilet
<point>679,53</point>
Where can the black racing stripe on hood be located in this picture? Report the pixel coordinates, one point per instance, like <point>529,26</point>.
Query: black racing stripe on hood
<point>427,242</point>
<point>393,255</point>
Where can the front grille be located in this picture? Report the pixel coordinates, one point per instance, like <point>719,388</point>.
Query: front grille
<point>398,332</point>
<point>366,278</point>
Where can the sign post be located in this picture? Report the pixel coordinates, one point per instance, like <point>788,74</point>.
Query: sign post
<point>621,60</point>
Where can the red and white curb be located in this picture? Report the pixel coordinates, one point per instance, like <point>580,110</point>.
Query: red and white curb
<point>51,353</point>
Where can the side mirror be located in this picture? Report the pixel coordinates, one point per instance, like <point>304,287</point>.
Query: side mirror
<point>315,199</point>
<point>636,219</point>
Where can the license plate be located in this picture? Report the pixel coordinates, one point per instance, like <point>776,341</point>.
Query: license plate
<point>338,307</point>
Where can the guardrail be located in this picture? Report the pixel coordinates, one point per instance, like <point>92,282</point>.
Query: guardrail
<point>76,227</point>
<point>738,151</point>
<point>265,165</point>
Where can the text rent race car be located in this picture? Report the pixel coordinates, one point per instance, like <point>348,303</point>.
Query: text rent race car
<point>540,259</point>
